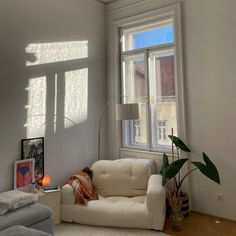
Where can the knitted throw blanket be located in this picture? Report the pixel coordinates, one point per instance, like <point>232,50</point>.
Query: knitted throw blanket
<point>83,187</point>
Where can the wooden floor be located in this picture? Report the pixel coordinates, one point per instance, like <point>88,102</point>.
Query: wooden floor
<point>197,224</point>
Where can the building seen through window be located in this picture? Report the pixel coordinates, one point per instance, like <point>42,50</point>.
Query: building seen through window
<point>161,130</point>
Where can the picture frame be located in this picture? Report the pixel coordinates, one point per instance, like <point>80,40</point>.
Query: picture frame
<point>34,148</point>
<point>24,173</point>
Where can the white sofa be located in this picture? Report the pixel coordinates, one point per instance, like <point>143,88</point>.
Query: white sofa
<point>130,195</point>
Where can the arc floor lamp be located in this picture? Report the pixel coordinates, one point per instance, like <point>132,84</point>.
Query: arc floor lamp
<point>123,112</point>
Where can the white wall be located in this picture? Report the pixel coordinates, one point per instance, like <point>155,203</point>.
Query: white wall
<point>209,37</point>
<point>35,22</point>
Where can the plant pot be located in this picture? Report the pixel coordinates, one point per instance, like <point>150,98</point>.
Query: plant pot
<point>184,206</point>
<point>176,218</point>
<point>185,203</point>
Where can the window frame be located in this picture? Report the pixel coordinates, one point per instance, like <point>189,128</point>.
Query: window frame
<point>173,11</point>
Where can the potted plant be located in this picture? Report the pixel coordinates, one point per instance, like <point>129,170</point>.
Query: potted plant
<point>172,171</point>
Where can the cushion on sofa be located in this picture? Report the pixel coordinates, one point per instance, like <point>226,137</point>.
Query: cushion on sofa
<point>120,211</point>
<point>14,199</point>
<point>26,216</point>
<point>19,230</point>
<point>122,177</point>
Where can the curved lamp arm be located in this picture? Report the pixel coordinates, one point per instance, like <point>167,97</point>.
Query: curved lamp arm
<point>99,127</point>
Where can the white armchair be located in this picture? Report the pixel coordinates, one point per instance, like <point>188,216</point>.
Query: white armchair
<point>130,195</point>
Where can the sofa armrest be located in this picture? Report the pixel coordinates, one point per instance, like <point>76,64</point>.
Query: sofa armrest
<point>156,195</point>
<point>67,195</point>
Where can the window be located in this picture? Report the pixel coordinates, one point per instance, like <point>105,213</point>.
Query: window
<point>161,130</point>
<point>148,77</point>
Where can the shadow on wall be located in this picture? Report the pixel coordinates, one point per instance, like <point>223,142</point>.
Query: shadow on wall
<point>50,98</point>
<point>58,73</point>
<point>51,82</point>
<point>57,101</point>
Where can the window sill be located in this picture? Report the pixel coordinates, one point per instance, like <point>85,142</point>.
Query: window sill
<point>140,151</point>
<point>132,152</point>
<point>132,149</point>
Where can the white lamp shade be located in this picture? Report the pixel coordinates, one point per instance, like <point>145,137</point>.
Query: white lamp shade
<point>127,111</point>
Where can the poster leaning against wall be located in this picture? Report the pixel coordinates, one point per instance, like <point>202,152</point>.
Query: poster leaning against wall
<point>23,173</point>
<point>34,148</point>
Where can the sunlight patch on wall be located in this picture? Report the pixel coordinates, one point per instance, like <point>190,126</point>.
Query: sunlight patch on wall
<point>56,52</point>
<point>36,108</point>
<point>76,97</point>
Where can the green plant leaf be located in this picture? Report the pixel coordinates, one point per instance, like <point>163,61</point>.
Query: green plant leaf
<point>209,170</point>
<point>179,143</point>
<point>174,168</point>
<point>165,164</point>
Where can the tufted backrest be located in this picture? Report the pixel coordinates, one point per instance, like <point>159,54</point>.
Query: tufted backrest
<point>122,177</point>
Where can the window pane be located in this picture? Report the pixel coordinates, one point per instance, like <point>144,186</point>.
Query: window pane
<point>162,97</point>
<point>148,36</point>
<point>135,130</point>
<point>153,37</point>
<point>134,84</point>
<point>134,91</point>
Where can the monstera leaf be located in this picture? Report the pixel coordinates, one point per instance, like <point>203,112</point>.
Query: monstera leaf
<point>208,169</point>
<point>174,168</point>
<point>179,143</point>
<point>165,164</point>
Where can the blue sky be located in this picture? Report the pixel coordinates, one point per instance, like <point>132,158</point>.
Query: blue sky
<point>154,37</point>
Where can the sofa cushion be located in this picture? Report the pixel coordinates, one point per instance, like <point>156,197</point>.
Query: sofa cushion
<point>19,230</point>
<point>122,177</point>
<point>128,212</point>
<point>25,216</point>
<point>14,199</point>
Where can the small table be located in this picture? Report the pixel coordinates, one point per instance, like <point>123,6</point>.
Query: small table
<point>52,200</point>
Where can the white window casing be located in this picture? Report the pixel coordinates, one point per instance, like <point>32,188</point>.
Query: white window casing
<point>151,19</point>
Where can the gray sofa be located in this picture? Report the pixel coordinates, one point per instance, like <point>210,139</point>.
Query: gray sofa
<point>35,216</point>
<point>19,230</point>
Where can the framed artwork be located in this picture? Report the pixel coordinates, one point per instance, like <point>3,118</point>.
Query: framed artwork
<point>23,173</point>
<point>34,148</point>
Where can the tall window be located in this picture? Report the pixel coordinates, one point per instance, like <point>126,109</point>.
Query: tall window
<point>148,77</point>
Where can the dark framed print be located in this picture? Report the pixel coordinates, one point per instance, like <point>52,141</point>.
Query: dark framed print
<point>34,148</point>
